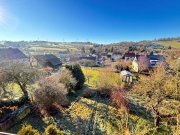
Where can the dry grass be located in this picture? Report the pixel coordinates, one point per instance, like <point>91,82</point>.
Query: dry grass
<point>174,44</point>
<point>94,75</point>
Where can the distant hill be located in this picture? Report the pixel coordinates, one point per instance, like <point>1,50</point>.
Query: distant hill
<point>172,43</point>
<point>22,44</point>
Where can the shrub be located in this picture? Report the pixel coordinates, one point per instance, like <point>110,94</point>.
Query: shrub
<point>119,98</point>
<point>68,80</point>
<point>122,65</point>
<point>52,130</point>
<point>88,63</point>
<point>28,130</point>
<point>77,74</point>
<point>87,93</point>
<point>50,94</point>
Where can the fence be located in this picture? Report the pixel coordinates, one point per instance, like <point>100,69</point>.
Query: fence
<point>4,133</point>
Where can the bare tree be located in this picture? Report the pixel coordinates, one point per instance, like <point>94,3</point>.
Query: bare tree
<point>3,84</point>
<point>143,63</point>
<point>158,88</point>
<point>21,74</point>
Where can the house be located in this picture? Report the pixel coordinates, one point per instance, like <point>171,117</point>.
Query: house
<point>116,56</point>
<point>64,54</point>
<point>47,60</point>
<point>129,56</point>
<point>12,55</point>
<point>145,62</point>
<point>104,55</point>
<point>88,58</point>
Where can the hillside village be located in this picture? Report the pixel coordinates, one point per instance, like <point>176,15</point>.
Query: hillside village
<point>86,88</point>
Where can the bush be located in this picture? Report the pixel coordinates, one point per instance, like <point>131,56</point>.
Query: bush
<point>50,94</point>
<point>122,65</point>
<point>52,130</point>
<point>77,74</point>
<point>68,80</point>
<point>28,130</point>
<point>87,93</point>
<point>88,63</point>
<point>119,98</point>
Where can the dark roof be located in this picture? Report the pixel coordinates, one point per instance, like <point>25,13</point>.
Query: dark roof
<point>48,58</point>
<point>103,54</point>
<point>156,57</point>
<point>129,54</point>
<point>88,58</point>
<point>11,53</point>
<point>117,53</point>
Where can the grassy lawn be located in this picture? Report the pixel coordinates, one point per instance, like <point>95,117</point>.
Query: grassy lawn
<point>16,92</point>
<point>89,116</point>
<point>93,74</point>
<point>94,116</point>
<point>174,44</point>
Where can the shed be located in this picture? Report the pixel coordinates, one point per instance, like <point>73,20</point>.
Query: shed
<point>126,76</point>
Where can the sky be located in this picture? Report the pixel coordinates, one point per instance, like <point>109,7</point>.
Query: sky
<point>100,21</point>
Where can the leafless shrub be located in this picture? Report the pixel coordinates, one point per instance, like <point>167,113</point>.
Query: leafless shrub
<point>119,98</point>
<point>50,94</point>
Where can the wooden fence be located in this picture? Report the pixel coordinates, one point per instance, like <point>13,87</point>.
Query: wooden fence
<point>4,133</point>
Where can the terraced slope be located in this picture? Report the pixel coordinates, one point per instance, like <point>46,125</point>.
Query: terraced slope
<point>94,116</point>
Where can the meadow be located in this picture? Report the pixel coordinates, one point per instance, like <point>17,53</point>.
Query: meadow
<point>173,44</point>
<point>93,75</point>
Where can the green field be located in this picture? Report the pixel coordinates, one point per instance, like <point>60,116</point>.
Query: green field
<point>61,48</point>
<point>174,44</point>
<point>93,75</point>
<point>14,91</point>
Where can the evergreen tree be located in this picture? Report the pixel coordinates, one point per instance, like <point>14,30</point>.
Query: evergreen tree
<point>112,49</point>
<point>151,53</point>
<point>77,74</point>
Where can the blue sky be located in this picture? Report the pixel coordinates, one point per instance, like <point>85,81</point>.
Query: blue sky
<point>101,21</point>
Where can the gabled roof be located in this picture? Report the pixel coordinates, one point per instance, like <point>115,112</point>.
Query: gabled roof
<point>129,54</point>
<point>44,59</point>
<point>156,57</point>
<point>117,53</point>
<point>124,73</point>
<point>11,53</point>
<point>88,58</point>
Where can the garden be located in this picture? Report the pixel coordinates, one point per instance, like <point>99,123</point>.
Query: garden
<point>82,100</point>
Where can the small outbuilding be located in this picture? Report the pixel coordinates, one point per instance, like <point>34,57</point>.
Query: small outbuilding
<point>126,76</point>
<point>47,60</point>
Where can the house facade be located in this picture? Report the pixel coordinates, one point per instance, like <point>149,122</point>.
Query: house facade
<point>129,56</point>
<point>144,62</point>
<point>116,56</point>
